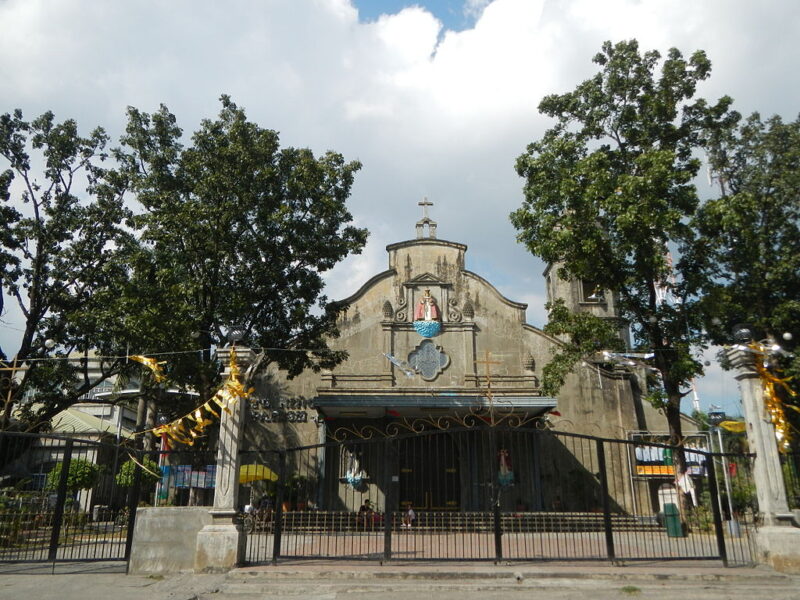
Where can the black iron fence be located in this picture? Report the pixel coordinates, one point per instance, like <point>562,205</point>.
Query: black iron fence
<point>62,499</point>
<point>790,464</point>
<point>471,494</point>
<point>489,494</point>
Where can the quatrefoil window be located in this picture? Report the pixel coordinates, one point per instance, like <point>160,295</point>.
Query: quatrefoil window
<point>429,360</point>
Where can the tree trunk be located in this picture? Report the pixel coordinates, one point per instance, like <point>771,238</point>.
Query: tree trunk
<point>673,413</point>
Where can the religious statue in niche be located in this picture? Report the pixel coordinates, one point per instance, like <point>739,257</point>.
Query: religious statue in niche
<point>427,319</point>
<point>505,476</point>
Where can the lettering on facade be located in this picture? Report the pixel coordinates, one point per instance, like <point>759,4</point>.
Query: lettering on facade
<point>281,410</point>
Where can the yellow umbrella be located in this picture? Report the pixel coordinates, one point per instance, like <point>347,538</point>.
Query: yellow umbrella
<point>250,473</point>
<point>734,426</point>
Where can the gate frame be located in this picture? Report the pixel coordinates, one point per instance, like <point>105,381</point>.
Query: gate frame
<point>70,445</point>
<point>390,479</point>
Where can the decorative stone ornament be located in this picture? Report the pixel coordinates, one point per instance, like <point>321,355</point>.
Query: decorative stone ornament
<point>454,314</point>
<point>468,310</point>
<point>388,311</point>
<point>429,360</point>
<point>529,363</point>
<point>428,329</point>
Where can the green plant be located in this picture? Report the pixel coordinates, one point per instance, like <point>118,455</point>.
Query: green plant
<point>743,494</point>
<point>630,589</point>
<point>82,475</point>
<point>151,473</point>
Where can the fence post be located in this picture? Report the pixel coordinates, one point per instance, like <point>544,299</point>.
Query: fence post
<point>388,499</point>
<point>276,541</point>
<point>713,490</point>
<point>61,499</point>
<point>538,498</point>
<point>134,493</point>
<point>601,464</point>
<point>495,497</point>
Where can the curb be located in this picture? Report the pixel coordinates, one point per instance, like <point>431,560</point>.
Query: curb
<point>267,573</point>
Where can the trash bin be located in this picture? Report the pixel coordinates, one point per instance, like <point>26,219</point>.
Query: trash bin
<point>100,513</point>
<point>672,519</point>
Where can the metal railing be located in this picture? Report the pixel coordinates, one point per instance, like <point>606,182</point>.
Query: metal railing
<point>517,494</point>
<point>60,500</point>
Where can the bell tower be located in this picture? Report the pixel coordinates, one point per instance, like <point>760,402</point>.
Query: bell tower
<point>584,295</point>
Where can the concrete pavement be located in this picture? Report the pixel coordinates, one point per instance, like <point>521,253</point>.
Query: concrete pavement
<point>329,580</point>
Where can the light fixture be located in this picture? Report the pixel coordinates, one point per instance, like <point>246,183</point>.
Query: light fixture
<point>742,333</point>
<point>235,334</point>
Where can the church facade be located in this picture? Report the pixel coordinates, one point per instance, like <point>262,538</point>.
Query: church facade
<point>434,347</point>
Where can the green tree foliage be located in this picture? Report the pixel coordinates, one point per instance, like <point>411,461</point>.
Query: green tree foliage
<point>608,190</point>
<point>585,334</point>
<point>151,473</point>
<point>750,237</point>
<point>82,475</point>
<point>63,243</point>
<point>751,232</point>
<point>237,231</point>
<point>230,230</point>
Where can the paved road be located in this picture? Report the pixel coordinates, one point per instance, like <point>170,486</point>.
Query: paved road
<point>331,581</point>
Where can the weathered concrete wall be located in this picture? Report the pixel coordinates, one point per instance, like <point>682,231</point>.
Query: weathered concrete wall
<point>165,539</point>
<point>779,547</point>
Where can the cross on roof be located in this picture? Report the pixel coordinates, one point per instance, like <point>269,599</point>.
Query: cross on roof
<point>425,204</point>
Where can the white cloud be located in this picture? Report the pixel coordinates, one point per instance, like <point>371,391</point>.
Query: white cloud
<point>430,112</point>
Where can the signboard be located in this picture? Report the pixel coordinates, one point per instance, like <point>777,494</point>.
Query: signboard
<point>657,461</point>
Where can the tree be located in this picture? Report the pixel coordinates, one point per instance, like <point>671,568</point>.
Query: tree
<point>584,333</point>
<point>62,261</point>
<point>151,473</point>
<point>750,236</point>
<point>608,192</point>
<point>82,475</point>
<point>236,232</point>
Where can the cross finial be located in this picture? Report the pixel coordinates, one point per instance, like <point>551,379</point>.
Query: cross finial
<point>425,204</point>
<point>426,221</point>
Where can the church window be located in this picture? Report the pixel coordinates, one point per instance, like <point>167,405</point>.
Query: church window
<point>591,291</point>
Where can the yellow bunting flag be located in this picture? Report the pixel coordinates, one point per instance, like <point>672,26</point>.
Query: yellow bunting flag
<point>153,365</point>
<point>225,397</point>
<point>772,402</point>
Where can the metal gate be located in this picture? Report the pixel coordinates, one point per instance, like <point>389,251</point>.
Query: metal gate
<point>498,494</point>
<point>60,500</point>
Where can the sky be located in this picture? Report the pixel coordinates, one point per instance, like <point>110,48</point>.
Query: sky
<point>436,98</point>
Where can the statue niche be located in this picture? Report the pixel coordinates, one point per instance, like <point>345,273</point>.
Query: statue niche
<point>427,317</point>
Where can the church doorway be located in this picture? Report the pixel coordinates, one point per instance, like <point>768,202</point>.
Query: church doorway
<point>429,473</point>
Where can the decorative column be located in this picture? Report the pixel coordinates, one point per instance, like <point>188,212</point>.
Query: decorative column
<point>221,545</point>
<point>767,472</point>
<point>777,543</point>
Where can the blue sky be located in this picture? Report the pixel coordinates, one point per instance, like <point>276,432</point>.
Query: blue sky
<point>454,14</point>
<point>436,100</point>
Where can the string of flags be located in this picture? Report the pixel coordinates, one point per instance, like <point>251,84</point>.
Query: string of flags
<point>189,427</point>
<point>152,364</point>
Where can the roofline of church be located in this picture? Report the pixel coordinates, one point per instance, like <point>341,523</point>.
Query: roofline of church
<point>513,303</point>
<point>344,302</point>
<point>426,241</point>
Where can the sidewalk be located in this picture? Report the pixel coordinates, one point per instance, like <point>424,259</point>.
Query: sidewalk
<point>331,579</point>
